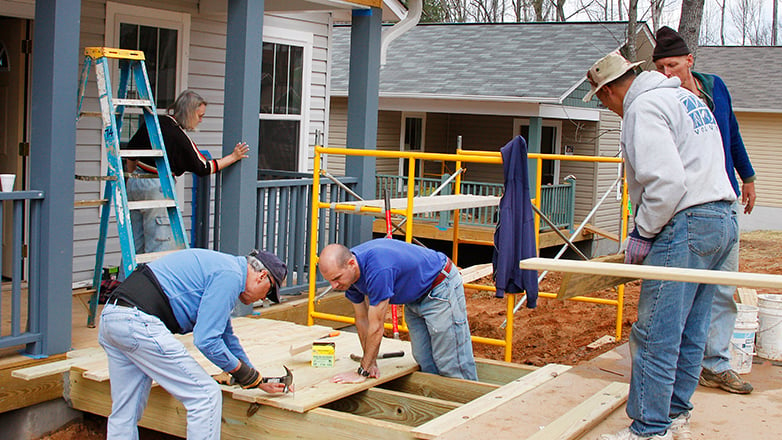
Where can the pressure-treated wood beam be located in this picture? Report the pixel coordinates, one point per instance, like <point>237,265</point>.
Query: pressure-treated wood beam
<point>393,406</point>
<point>488,402</point>
<point>588,414</point>
<point>166,414</point>
<point>743,279</point>
<point>438,387</point>
<point>499,372</point>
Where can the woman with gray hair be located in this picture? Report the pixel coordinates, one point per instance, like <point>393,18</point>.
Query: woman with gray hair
<point>151,227</point>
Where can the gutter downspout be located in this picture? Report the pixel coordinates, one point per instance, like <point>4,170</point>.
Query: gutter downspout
<point>415,7</point>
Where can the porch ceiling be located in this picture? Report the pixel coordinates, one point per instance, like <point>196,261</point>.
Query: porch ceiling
<point>392,9</point>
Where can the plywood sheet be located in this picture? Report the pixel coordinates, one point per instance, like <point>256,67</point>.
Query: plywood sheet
<point>267,343</point>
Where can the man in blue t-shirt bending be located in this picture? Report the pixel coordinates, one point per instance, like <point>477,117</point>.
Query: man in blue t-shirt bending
<point>384,271</point>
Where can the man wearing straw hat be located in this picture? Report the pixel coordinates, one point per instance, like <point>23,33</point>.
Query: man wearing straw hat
<point>682,198</point>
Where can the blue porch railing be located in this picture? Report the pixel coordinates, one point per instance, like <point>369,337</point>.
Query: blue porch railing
<point>557,202</point>
<point>283,221</point>
<point>24,326</point>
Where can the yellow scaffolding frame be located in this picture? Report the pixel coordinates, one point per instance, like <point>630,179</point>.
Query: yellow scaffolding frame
<point>461,156</point>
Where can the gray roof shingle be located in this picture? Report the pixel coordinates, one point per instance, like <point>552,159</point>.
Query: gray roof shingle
<point>753,74</point>
<point>537,61</point>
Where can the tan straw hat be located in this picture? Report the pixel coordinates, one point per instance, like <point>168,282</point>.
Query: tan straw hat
<point>607,69</point>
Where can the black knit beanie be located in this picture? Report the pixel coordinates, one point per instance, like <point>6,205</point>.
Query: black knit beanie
<point>669,44</point>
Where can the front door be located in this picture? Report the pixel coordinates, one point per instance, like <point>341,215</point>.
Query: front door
<point>13,94</point>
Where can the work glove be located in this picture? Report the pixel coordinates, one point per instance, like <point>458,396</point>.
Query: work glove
<point>637,248</point>
<point>246,376</point>
<point>224,378</point>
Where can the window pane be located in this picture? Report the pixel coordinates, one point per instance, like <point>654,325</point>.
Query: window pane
<point>281,79</point>
<point>279,145</point>
<point>148,42</point>
<point>296,73</point>
<point>128,36</point>
<point>166,73</point>
<point>267,78</point>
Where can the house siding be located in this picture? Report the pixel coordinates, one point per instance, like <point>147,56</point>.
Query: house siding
<point>608,216</point>
<point>761,133</point>
<point>206,72</point>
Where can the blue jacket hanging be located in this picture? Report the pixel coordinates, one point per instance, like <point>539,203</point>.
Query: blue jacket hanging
<point>514,238</point>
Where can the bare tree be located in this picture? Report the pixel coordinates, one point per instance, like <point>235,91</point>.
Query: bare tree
<point>656,11</point>
<point>632,25</point>
<point>690,23</point>
<point>745,15</point>
<point>774,22</point>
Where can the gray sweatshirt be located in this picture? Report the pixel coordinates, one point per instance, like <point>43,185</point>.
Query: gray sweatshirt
<point>673,152</point>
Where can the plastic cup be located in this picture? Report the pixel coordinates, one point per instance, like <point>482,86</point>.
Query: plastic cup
<point>7,182</point>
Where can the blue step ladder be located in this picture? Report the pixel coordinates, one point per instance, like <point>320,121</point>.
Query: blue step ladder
<point>131,62</point>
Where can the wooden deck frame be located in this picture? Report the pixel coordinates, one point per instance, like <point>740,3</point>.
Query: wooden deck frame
<point>393,410</point>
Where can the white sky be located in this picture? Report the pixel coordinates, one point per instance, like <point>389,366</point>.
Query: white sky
<point>672,11</point>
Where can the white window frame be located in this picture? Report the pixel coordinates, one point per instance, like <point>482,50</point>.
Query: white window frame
<point>304,40</point>
<point>117,13</point>
<point>519,122</point>
<point>405,115</point>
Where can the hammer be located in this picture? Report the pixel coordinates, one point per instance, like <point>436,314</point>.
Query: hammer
<point>391,354</point>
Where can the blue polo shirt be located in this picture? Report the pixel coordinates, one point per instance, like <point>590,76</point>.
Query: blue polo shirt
<point>395,270</point>
<point>202,287</point>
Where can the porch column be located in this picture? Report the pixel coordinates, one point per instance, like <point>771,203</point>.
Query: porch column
<point>533,146</point>
<point>244,44</point>
<point>363,91</point>
<point>52,166</point>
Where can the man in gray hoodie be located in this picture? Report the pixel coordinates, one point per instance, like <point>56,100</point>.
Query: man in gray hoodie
<point>682,197</point>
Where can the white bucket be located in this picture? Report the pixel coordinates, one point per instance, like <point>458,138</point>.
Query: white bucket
<point>742,344</point>
<point>769,342</point>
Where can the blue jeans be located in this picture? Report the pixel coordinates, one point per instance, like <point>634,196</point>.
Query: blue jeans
<point>716,357</point>
<point>151,227</point>
<point>439,332</point>
<point>667,341</point>
<point>141,349</point>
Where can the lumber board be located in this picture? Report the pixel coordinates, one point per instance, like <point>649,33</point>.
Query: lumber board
<point>425,204</point>
<point>459,416</point>
<point>61,366</point>
<point>267,343</point>
<point>439,387</point>
<point>472,273</point>
<point>17,393</point>
<point>588,414</point>
<point>500,372</point>
<point>166,414</point>
<point>575,284</point>
<point>601,232</point>
<point>393,406</point>
<point>748,297</point>
<point>744,279</point>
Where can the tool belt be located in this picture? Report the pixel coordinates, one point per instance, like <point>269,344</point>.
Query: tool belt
<point>142,291</point>
<point>443,274</point>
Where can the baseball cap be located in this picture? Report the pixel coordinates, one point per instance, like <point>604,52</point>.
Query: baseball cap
<point>276,268</point>
<point>607,69</point>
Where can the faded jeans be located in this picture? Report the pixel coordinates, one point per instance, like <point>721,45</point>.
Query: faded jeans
<point>667,341</point>
<point>141,349</point>
<point>151,227</point>
<point>716,357</point>
<point>439,332</point>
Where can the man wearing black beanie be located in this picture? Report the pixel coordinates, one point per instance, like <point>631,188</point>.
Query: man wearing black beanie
<point>672,57</point>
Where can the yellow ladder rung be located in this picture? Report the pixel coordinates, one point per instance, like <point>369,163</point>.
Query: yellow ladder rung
<point>110,52</point>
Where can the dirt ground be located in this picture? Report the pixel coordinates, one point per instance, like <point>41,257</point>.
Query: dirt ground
<point>559,331</point>
<point>554,332</point>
